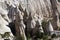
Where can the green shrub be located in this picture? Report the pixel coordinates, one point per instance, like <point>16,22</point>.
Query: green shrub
<point>58,0</point>
<point>39,34</point>
<point>45,37</point>
<point>28,36</point>
<point>53,36</point>
<point>44,25</point>
<point>6,34</point>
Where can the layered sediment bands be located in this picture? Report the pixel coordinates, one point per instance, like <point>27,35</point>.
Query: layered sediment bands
<point>29,14</point>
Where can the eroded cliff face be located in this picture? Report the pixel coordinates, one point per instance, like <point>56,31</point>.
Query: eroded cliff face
<point>31,13</point>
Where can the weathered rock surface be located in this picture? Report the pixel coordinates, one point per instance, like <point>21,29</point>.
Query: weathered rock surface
<point>31,13</point>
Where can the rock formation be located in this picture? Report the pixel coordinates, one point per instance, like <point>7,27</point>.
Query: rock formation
<point>28,15</point>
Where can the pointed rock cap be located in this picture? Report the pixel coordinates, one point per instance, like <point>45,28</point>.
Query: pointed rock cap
<point>50,27</point>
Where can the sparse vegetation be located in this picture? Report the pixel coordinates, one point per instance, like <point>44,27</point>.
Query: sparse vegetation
<point>6,34</point>
<point>28,36</point>
<point>58,0</point>
<point>44,25</point>
<point>53,36</point>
